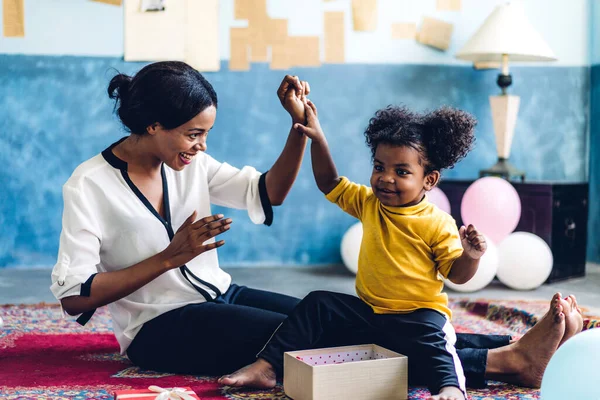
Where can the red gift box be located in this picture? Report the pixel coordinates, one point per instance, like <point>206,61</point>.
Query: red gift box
<point>157,393</point>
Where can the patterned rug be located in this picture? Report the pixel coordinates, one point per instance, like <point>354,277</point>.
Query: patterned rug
<point>43,356</point>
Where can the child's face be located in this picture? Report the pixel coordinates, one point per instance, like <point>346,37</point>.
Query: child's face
<point>397,178</point>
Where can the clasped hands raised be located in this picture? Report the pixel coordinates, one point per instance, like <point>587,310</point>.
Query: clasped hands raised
<point>293,94</point>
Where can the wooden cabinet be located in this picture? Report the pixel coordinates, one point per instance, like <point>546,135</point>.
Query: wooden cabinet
<point>556,212</point>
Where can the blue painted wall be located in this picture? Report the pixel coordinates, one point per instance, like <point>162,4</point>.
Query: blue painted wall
<point>594,209</point>
<point>54,114</point>
<point>594,167</point>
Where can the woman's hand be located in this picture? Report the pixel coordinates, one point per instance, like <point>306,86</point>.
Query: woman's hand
<point>312,129</point>
<point>292,93</point>
<point>188,242</point>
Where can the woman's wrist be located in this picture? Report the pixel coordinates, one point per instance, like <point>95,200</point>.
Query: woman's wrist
<point>165,261</point>
<point>298,119</point>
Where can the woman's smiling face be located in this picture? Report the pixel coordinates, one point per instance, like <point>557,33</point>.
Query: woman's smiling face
<point>177,147</point>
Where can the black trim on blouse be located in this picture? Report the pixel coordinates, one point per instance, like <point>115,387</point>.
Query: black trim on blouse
<point>264,199</point>
<point>113,160</point>
<point>85,291</point>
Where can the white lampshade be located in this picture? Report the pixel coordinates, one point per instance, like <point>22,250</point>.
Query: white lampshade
<point>506,31</point>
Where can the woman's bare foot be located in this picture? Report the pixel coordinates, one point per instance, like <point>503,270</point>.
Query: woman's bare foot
<point>448,393</point>
<point>573,318</point>
<point>524,361</point>
<point>259,375</point>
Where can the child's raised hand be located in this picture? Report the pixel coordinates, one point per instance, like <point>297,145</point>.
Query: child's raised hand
<point>292,93</point>
<point>473,242</point>
<point>312,129</point>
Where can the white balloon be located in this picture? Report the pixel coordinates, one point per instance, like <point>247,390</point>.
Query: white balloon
<point>351,247</point>
<point>488,265</point>
<point>525,261</point>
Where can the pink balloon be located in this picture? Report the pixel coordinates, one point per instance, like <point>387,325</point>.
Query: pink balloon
<point>437,197</point>
<point>493,206</point>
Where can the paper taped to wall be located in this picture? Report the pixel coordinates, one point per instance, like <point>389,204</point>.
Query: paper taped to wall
<point>364,15</point>
<point>111,2</point>
<point>239,59</point>
<point>202,39</point>
<point>448,5</point>
<point>174,33</point>
<point>435,33</point>
<point>334,37</point>
<point>13,18</point>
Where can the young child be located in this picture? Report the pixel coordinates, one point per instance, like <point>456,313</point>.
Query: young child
<point>408,245</point>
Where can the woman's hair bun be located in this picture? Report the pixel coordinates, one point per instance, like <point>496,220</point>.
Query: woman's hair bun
<point>119,86</point>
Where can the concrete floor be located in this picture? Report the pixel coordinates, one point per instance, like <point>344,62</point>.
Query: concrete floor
<point>32,285</point>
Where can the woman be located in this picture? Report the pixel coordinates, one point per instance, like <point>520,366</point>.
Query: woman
<point>131,239</point>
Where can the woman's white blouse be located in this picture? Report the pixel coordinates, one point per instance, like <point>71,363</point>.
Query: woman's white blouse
<point>109,225</point>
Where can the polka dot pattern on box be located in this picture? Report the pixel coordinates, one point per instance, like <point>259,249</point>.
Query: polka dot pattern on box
<point>340,357</point>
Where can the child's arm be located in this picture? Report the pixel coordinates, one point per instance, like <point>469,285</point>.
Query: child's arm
<point>465,266</point>
<point>324,169</point>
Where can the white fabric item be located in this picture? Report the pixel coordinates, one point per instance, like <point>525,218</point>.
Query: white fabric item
<point>106,227</point>
<point>450,337</point>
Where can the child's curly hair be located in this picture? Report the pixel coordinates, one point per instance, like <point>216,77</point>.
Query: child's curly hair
<point>442,137</point>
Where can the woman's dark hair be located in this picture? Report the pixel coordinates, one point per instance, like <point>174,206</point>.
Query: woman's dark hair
<point>169,92</point>
<point>442,137</point>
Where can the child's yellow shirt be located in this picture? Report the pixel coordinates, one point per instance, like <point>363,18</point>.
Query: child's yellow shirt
<point>404,251</point>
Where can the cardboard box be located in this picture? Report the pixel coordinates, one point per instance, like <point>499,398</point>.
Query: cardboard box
<point>152,392</point>
<point>365,372</point>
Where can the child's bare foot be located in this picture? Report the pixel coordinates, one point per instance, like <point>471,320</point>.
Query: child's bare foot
<point>259,374</point>
<point>449,393</point>
<point>573,317</point>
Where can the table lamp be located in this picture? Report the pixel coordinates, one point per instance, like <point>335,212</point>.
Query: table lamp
<point>506,35</point>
